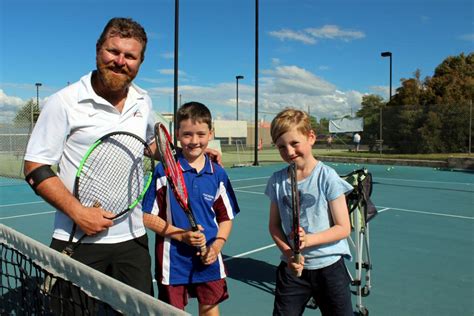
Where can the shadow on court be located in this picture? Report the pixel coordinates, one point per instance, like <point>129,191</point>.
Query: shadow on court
<point>256,273</point>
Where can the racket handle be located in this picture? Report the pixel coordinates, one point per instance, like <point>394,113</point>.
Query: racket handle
<point>203,250</point>
<point>297,259</point>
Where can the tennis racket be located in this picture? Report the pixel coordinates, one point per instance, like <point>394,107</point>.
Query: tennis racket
<point>114,174</point>
<point>295,209</point>
<point>174,174</point>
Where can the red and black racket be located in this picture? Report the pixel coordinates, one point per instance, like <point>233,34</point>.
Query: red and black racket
<point>174,173</point>
<point>295,208</point>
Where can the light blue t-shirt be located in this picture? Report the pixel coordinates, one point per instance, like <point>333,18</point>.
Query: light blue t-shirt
<point>322,186</point>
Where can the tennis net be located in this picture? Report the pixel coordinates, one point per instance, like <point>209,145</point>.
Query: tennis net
<point>37,280</point>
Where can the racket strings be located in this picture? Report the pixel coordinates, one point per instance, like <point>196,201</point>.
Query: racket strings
<point>172,167</point>
<point>113,175</point>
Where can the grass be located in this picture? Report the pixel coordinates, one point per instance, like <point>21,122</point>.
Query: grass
<point>271,155</point>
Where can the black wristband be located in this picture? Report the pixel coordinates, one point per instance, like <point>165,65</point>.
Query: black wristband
<point>35,177</point>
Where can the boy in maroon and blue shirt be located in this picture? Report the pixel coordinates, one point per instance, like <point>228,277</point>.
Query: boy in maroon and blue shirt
<point>182,271</point>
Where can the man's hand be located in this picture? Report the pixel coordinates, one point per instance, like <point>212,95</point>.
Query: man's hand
<point>215,155</point>
<point>93,220</point>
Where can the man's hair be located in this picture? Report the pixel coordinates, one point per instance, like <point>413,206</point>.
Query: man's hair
<point>288,119</point>
<point>124,28</point>
<point>194,111</point>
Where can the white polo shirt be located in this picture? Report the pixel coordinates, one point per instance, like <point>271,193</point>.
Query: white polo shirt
<point>70,122</point>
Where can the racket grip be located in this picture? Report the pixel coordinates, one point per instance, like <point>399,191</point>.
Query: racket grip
<point>203,250</point>
<point>297,259</point>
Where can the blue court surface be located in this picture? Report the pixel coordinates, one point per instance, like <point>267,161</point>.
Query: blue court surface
<point>421,242</point>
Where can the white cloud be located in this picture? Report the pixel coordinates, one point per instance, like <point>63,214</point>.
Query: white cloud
<point>286,34</point>
<point>334,32</point>
<point>170,72</point>
<point>168,55</point>
<point>383,91</point>
<point>311,35</point>
<point>279,87</point>
<point>9,106</point>
<point>293,79</point>
<point>467,37</point>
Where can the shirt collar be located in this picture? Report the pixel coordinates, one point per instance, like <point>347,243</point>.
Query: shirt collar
<point>186,167</point>
<point>86,92</point>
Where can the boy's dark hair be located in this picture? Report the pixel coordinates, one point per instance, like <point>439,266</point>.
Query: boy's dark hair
<point>124,28</point>
<point>194,111</point>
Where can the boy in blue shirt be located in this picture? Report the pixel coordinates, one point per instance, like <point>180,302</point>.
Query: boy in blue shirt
<point>324,224</point>
<point>181,271</point>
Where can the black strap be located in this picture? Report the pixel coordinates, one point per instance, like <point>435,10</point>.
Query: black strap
<point>35,177</point>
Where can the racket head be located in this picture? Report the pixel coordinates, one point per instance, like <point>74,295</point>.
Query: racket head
<point>173,171</point>
<point>115,173</point>
<point>295,208</point>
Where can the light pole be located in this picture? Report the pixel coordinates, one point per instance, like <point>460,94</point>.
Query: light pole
<point>38,84</point>
<point>176,50</point>
<point>237,94</point>
<point>385,54</point>
<point>255,154</point>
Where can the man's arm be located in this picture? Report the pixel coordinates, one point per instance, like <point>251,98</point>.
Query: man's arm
<point>91,220</point>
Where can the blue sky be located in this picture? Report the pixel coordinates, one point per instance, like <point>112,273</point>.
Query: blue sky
<point>319,55</point>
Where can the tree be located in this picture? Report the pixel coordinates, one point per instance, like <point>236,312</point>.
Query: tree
<point>23,116</point>
<point>432,115</point>
<point>370,111</point>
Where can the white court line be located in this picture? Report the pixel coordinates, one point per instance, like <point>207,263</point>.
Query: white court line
<point>17,204</point>
<point>426,213</point>
<point>383,210</point>
<point>25,215</point>
<point>252,186</point>
<point>249,192</point>
<point>246,179</point>
<point>249,252</point>
<point>426,181</point>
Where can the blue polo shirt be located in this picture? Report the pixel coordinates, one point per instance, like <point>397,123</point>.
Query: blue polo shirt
<point>212,201</point>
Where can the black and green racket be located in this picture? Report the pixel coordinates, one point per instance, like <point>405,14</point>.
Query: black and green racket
<point>114,174</point>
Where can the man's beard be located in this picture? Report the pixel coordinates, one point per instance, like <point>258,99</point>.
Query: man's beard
<point>114,78</point>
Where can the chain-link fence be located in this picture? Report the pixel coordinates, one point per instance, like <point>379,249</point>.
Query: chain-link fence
<point>13,141</point>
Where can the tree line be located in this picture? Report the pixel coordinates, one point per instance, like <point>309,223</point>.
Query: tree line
<point>430,115</point>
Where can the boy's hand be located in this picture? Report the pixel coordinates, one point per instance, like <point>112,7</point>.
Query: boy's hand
<point>194,238</point>
<point>302,234</point>
<point>296,268</point>
<point>210,256</point>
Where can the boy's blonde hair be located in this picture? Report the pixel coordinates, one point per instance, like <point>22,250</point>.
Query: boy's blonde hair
<point>288,119</point>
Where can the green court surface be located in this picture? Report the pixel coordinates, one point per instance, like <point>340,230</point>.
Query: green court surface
<point>421,242</point>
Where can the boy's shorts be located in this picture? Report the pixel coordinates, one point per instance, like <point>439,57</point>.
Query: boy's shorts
<point>208,293</point>
<point>329,286</point>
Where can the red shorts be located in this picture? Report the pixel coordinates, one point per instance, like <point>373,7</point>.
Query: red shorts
<point>208,293</point>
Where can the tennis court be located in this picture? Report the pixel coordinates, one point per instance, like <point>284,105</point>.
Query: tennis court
<point>421,242</point>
